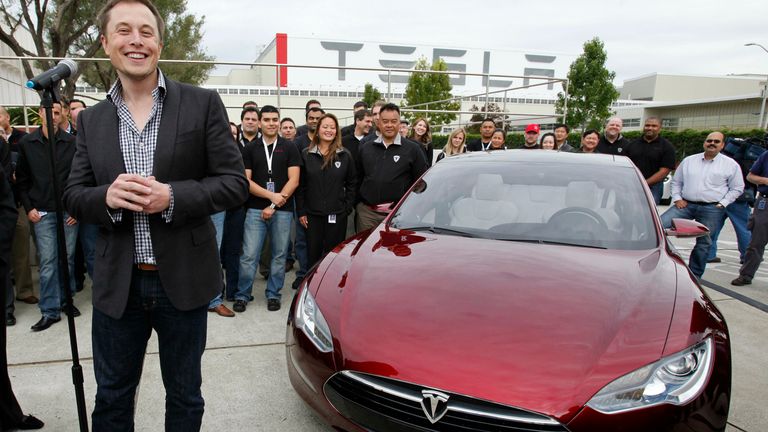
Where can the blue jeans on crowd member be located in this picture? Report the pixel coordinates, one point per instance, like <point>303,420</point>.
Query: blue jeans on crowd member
<point>231,246</point>
<point>300,245</point>
<point>657,190</point>
<point>118,355</point>
<point>218,223</point>
<point>707,214</point>
<point>52,295</point>
<point>279,226</point>
<point>87,234</point>
<point>738,212</point>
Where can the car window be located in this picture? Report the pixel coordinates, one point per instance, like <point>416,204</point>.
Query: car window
<point>575,204</point>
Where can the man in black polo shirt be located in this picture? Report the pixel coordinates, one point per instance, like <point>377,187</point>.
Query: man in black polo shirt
<point>487,127</point>
<point>612,141</point>
<point>350,129</point>
<point>272,168</point>
<point>34,180</point>
<point>388,166</point>
<point>304,129</point>
<point>312,117</point>
<point>653,155</point>
<point>363,124</point>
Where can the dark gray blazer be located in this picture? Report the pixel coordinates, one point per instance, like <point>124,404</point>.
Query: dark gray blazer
<point>196,155</point>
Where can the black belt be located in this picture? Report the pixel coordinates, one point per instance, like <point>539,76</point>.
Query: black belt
<point>702,203</point>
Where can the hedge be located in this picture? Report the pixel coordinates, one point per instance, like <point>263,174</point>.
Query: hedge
<point>686,142</point>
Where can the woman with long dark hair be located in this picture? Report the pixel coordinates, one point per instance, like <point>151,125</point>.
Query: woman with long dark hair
<point>326,190</point>
<point>421,133</point>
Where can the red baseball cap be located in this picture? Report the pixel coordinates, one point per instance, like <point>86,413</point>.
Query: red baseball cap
<point>533,127</point>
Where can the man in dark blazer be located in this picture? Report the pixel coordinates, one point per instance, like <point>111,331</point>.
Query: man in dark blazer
<point>153,162</point>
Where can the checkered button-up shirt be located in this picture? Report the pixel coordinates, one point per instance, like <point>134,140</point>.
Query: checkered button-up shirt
<point>138,148</point>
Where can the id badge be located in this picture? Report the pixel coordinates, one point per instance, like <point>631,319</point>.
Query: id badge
<point>761,204</point>
<point>332,218</point>
<point>271,186</point>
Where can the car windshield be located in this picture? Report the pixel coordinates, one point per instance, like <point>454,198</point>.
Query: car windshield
<point>542,202</point>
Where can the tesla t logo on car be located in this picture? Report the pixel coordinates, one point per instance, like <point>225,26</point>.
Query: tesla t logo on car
<point>434,404</point>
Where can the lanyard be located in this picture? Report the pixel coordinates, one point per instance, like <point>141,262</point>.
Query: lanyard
<point>269,156</point>
<point>485,147</point>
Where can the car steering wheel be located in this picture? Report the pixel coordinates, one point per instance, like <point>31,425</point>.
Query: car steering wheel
<point>583,212</point>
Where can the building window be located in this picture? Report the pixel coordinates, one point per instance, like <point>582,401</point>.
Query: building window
<point>243,91</point>
<point>314,93</point>
<point>294,92</point>
<point>342,94</point>
<point>221,91</point>
<point>333,94</point>
<point>670,123</point>
<point>254,91</point>
<point>273,92</point>
<point>630,123</point>
<point>304,93</point>
<point>264,92</point>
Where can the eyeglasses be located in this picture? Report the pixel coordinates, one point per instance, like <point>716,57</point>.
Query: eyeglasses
<point>713,141</point>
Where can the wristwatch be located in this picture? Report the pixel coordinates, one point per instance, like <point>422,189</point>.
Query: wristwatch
<point>272,206</point>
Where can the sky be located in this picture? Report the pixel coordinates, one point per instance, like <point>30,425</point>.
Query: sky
<point>641,37</point>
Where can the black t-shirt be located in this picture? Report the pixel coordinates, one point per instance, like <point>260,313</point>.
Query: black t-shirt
<point>651,156</point>
<point>284,155</point>
<point>386,173</point>
<point>618,147</point>
<point>477,145</point>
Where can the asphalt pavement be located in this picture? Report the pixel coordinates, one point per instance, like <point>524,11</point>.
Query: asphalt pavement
<point>245,383</point>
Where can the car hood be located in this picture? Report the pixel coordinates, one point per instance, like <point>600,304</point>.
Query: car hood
<point>540,327</point>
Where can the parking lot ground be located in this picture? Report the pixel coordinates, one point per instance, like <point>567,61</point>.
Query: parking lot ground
<point>245,382</point>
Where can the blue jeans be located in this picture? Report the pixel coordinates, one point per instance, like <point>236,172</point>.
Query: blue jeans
<point>52,295</point>
<point>231,246</point>
<point>218,223</point>
<point>708,215</point>
<point>302,253</point>
<point>279,226</point>
<point>119,346</point>
<point>738,212</point>
<point>657,190</point>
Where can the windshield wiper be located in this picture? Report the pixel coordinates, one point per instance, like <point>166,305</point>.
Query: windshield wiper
<point>552,242</point>
<point>438,230</point>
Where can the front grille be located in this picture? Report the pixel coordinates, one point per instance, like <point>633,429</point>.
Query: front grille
<point>383,404</point>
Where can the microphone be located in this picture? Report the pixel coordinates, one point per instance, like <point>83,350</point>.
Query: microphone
<point>63,70</point>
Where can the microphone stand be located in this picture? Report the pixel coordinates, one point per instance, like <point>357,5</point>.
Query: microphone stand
<point>48,98</point>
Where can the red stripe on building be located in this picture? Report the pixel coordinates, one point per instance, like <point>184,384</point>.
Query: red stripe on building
<point>281,45</point>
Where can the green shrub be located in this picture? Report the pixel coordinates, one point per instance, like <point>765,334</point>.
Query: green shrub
<point>686,142</point>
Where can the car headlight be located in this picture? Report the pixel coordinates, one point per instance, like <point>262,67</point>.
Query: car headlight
<point>311,321</point>
<point>675,379</point>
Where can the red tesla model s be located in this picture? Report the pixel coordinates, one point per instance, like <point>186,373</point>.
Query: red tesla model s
<point>513,291</point>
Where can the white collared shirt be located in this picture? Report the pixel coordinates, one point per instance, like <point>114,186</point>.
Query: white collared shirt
<point>717,180</point>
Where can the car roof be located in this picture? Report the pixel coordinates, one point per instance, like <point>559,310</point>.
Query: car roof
<point>533,156</point>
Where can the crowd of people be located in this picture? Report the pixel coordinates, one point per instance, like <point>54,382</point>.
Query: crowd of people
<point>310,187</point>
<point>143,178</point>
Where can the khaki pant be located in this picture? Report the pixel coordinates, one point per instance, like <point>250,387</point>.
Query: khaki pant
<point>22,272</point>
<point>367,218</point>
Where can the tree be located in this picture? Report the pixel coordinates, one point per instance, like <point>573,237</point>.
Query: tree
<point>429,87</point>
<point>481,114</point>
<point>63,28</point>
<point>371,94</point>
<point>590,88</point>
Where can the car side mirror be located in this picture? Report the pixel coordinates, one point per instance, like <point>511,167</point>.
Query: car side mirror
<point>686,228</point>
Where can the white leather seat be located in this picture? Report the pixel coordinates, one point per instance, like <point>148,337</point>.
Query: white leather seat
<point>486,208</point>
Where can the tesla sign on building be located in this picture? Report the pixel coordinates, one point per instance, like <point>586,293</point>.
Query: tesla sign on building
<point>370,54</point>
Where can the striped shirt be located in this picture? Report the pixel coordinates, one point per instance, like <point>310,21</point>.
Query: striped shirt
<point>138,148</point>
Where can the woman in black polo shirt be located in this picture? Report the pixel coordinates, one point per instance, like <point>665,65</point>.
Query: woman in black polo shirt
<point>326,189</point>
